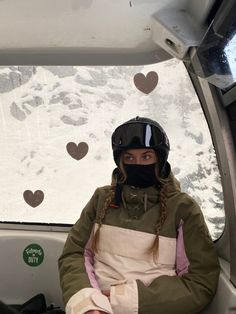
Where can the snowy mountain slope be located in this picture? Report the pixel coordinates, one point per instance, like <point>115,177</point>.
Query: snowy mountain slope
<point>44,108</point>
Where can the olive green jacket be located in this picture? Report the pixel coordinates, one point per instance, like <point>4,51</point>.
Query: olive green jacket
<point>181,278</point>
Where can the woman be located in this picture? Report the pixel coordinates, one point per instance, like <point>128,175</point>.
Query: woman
<point>140,245</point>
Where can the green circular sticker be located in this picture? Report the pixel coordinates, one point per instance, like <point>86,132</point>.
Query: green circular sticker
<point>33,255</point>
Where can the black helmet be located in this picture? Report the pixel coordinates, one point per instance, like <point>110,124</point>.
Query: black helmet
<point>141,133</point>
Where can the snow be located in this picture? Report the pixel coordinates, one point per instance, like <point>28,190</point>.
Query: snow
<point>39,117</point>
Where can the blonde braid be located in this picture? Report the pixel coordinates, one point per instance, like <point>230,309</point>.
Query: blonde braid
<point>163,214</point>
<point>101,216</point>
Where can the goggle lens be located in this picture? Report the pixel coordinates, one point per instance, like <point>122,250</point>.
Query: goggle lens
<point>135,135</point>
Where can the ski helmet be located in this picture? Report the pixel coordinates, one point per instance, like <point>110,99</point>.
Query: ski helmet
<point>142,133</point>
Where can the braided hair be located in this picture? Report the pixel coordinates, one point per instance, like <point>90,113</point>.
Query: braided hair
<point>163,214</point>
<point>101,216</point>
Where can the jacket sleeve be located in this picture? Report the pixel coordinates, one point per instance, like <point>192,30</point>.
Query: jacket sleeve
<point>80,291</point>
<point>191,292</point>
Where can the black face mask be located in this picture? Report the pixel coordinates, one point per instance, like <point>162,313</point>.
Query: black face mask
<point>141,176</point>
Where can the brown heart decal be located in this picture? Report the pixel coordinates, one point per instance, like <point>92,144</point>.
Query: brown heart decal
<point>146,84</point>
<point>77,151</point>
<point>33,199</point>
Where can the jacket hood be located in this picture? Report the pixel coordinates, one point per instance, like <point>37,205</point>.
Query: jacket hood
<point>173,185</point>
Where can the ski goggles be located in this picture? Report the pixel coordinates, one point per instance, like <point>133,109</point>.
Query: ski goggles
<point>138,135</point>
